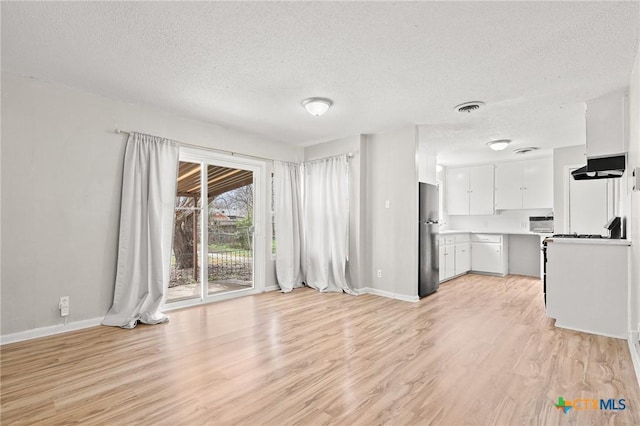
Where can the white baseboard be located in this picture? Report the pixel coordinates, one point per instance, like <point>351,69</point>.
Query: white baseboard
<point>272,288</point>
<point>388,294</point>
<point>48,331</point>
<point>359,291</point>
<point>78,325</point>
<point>634,350</point>
<point>490,274</point>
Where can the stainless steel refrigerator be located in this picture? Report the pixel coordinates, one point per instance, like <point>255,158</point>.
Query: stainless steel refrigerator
<point>429,273</point>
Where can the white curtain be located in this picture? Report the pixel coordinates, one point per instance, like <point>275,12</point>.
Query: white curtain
<point>146,229</point>
<point>288,224</point>
<point>326,224</point>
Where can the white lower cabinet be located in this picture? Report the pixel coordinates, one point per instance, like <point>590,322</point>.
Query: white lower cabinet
<point>489,254</point>
<point>449,262</point>
<point>463,257</point>
<point>455,256</point>
<point>442,260</point>
<point>447,258</point>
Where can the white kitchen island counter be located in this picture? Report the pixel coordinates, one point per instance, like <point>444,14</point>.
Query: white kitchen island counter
<point>587,285</point>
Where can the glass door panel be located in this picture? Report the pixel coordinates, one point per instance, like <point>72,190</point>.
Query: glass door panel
<point>230,229</point>
<point>185,278</point>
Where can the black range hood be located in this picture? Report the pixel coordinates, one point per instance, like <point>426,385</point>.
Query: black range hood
<point>601,168</point>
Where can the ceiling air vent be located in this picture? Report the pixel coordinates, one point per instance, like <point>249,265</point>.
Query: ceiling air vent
<point>525,150</point>
<point>469,106</point>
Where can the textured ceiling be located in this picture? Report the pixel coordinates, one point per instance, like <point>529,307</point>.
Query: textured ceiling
<point>385,65</point>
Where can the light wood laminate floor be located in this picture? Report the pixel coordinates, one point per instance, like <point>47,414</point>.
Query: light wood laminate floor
<point>479,351</point>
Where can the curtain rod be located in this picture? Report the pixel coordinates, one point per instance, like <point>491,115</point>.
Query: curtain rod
<point>125,132</point>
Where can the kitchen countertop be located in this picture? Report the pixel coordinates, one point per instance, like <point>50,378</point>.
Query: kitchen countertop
<point>602,241</point>
<point>537,234</point>
<point>592,241</point>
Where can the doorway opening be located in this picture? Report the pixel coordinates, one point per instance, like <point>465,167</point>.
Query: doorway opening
<point>590,203</point>
<point>213,248</point>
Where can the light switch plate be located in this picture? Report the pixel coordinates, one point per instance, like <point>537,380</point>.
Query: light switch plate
<point>636,179</point>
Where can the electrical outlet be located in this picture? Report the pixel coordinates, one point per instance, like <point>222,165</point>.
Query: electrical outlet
<point>379,273</point>
<point>387,204</point>
<point>63,305</point>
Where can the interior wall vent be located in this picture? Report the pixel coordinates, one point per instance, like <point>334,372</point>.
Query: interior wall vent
<point>469,106</point>
<point>525,150</point>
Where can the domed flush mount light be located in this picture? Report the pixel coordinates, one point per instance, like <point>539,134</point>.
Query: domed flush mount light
<point>499,145</point>
<point>317,106</point>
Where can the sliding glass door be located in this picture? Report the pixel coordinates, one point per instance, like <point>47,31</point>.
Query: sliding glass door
<point>214,241</point>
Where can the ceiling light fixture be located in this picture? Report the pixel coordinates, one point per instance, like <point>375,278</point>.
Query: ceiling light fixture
<point>499,145</point>
<point>317,106</point>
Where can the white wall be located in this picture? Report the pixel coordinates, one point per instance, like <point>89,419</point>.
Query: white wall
<point>427,159</point>
<point>505,221</point>
<point>524,255</point>
<point>392,233</point>
<point>356,146</point>
<point>633,224</point>
<point>563,157</point>
<point>61,180</point>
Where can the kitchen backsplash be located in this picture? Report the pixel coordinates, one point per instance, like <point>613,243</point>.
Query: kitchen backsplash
<point>504,221</point>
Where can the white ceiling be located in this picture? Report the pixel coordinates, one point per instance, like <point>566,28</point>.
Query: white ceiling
<point>385,65</point>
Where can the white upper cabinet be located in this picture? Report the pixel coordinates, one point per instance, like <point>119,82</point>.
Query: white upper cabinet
<point>526,184</point>
<point>481,189</point>
<point>509,186</point>
<point>537,183</point>
<point>606,119</point>
<point>458,191</point>
<point>470,190</point>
